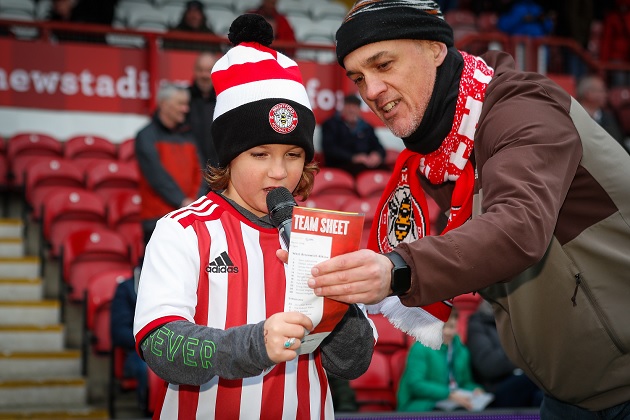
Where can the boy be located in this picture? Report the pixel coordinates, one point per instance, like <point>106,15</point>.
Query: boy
<point>210,316</point>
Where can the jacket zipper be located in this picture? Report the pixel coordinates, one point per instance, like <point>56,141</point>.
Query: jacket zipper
<point>589,296</point>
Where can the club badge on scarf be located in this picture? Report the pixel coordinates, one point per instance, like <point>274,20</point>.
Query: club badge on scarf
<point>402,213</point>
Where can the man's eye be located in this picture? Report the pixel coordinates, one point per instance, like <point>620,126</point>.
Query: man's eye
<point>357,80</point>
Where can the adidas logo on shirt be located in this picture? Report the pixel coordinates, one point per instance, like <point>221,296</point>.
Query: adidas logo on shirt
<point>222,264</point>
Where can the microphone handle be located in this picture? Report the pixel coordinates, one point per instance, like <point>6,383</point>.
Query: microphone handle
<point>285,232</point>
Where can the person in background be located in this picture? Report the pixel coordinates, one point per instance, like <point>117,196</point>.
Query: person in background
<point>202,102</point>
<point>123,307</point>
<point>212,284</point>
<point>526,17</point>
<point>349,142</point>
<point>491,366</point>
<point>615,41</point>
<point>434,375</point>
<point>282,29</point>
<point>169,161</point>
<point>193,19</point>
<point>61,10</point>
<point>537,196</point>
<point>592,94</point>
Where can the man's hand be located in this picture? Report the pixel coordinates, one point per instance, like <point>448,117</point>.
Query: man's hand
<point>362,276</point>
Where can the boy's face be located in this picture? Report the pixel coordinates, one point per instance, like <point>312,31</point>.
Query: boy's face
<point>260,169</point>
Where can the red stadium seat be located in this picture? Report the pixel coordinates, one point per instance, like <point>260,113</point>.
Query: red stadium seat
<point>372,182</point>
<point>87,146</point>
<point>127,150</point>
<point>374,389</point>
<point>397,363</point>
<point>32,144</point>
<point>118,382</point>
<point>390,156</point>
<point>466,305</point>
<point>333,181</point>
<point>99,293</point>
<point>21,166</point>
<point>45,176</point>
<point>123,216</point>
<point>109,177</point>
<point>90,251</point>
<point>67,211</point>
<point>328,201</point>
<point>390,338</point>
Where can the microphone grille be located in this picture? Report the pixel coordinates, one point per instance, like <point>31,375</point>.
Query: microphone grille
<point>280,203</point>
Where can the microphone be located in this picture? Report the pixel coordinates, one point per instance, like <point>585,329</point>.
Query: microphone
<point>280,203</point>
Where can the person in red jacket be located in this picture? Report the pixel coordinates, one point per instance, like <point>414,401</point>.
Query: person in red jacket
<point>282,30</point>
<point>615,40</point>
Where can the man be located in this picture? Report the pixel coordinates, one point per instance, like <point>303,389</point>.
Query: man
<point>538,200</point>
<point>202,102</point>
<point>593,96</point>
<point>170,168</point>
<point>350,143</point>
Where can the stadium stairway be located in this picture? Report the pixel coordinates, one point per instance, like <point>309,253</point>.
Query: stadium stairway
<point>40,378</point>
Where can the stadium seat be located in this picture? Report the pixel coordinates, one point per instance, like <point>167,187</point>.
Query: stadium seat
<point>374,389</point>
<point>67,211</point>
<point>397,363</point>
<point>390,338</point>
<point>365,205</point>
<point>89,147</point>
<point>333,180</point>
<point>87,252</point>
<point>47,175</point>
<point>466,305</point>
<point>25,144</point>
<point>322,9</point>
<point>126,150</point>
<point>118,383</point>
<point>109,177</point>
<point>372,182</point>
<point>123,216</point>
<point>99,293</point>
<point>332,201</point>
<point>21,166</point>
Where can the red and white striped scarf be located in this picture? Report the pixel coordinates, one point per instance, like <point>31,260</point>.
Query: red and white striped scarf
<point>402,214</point>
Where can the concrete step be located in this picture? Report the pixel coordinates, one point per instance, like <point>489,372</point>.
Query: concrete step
<point>51,393</point>
<point>21,289</point>
<point>33,312</point>
<point>12,247</point>
<point>11,228</point>
<point>21,267</point>
<point>32,338</point>
<point>41,365</point>
<point>50,414</point>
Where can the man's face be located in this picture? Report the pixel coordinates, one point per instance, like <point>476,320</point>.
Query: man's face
<point>351,113</point>
<point>202,72</point>
<point>173,110</point>
<point>396,78</point>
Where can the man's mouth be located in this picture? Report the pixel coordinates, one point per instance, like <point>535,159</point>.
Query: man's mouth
<point>389,106</point>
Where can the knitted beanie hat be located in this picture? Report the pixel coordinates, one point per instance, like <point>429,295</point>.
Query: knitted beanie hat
<point>260,95</point>
<point>370,21</point>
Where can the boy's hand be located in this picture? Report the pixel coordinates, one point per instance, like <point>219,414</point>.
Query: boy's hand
<point>283,334</point>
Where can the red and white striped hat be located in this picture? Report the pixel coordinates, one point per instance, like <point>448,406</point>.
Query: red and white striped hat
<point>260,95</point>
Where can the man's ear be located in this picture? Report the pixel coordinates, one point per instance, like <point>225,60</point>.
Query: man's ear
<point>439,52</point>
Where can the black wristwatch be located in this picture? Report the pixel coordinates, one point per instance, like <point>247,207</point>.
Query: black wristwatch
<point>401,274</point>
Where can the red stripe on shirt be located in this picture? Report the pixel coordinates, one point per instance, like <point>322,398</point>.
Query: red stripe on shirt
<point>303,388</point>
<point>323,384</point>
<point>228,403</point>
<point>203,283</point>
<point>188,397</point>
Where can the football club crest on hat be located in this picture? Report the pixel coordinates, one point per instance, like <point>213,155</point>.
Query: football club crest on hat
<point>283,118</point>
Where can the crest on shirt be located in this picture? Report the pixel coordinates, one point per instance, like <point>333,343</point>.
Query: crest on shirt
<point>283,118</point>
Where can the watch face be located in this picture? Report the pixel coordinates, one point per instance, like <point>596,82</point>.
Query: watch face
<point>401,280</point>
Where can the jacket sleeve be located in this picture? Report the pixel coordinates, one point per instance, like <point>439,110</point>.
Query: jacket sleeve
<point>347,351</point>
<point>122,311</point>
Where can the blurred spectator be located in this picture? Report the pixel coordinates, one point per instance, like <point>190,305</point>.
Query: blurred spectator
<point>170,165</point>
<point>573,21</point>
<point>592,94</point>
<point>193,19</point>
<point>433,377</point>
<point>95,11</point>
<point>615,41</point>
<point>349,142</point>
<point>60,10</point>
<point>491,366</point>
<point>123,308</point>
<point>526,17</point>
<point>202,102</point>
<point>282,29</point>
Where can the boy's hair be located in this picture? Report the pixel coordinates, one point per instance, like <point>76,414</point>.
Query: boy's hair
<point>218,179</point>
